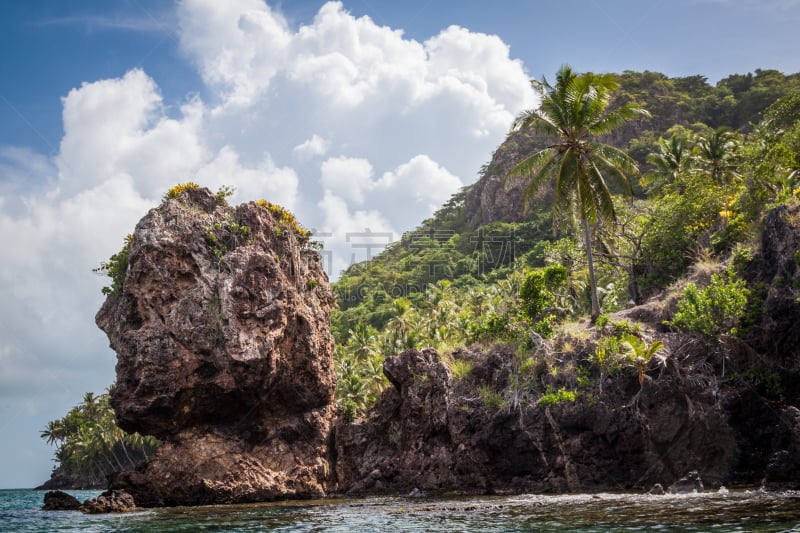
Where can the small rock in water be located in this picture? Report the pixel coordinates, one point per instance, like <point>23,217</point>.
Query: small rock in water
<point>111,501</point>
<point>57,500</point>
<point>783,472</point>
<point>657,490</point>
<point>416,493</point>
<point>723,490</point>
<point>687,485</point>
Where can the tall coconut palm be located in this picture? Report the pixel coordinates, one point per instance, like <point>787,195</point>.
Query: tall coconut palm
<point>573,113</point>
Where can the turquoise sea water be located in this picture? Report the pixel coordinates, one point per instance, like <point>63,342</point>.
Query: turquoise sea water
<point>735,511</point>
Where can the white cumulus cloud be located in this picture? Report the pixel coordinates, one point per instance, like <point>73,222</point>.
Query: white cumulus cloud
<point>360,130</point>
<point>315,146</point>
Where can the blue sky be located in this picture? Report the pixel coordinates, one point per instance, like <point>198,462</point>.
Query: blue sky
<point>52,46</point>
<point>354,123</point>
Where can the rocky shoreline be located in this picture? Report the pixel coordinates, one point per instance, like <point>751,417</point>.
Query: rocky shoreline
<point>225,354</point>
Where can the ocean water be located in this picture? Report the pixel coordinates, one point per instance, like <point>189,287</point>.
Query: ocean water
<point>724,512</point>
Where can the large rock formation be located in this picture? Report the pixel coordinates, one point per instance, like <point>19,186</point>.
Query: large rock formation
<point>224,352</point>
<point>433,432</point>
<point>778,269</point>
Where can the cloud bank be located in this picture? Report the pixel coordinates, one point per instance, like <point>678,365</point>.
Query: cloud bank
<point>350,124</point>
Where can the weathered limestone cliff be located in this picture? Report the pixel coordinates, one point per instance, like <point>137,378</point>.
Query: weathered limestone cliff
<point>224,352</point>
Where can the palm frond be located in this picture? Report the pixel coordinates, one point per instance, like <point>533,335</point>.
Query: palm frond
<point>535,120</point>
<point>601,195</point>
<point>538,179</point>
<point>564,187</point>
<point>617,118</point>
<point>530,165</point>
<point>617,164</point>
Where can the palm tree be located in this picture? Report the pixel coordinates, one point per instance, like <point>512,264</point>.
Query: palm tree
<point>718,152</point>
<point>574,113</point>
<point>669,160</point>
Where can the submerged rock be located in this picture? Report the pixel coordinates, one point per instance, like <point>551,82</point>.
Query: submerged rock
<point>224,353</point>
<point>57,500</point>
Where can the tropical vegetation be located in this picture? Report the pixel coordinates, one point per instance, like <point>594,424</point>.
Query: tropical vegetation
<point>89,444</point>
<point>574,113</point>
<point>712,160</point>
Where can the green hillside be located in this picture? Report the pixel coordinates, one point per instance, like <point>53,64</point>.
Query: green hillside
<point>712,159</point>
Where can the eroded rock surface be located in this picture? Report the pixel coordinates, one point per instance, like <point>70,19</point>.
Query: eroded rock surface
<point>778,268</point>
<point>432,432</point>
<point>57,500</point>
<point>224,352</point>
<point>687,485</point>
<point>783,469</point>
<point>111,501</point>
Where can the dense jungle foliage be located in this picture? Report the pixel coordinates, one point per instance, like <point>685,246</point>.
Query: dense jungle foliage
<point>712,160</point>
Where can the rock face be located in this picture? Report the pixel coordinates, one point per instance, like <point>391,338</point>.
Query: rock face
<point>111,501</point>
<point>778,335</point>
<point>783,469</point>
<point>56,500</point>
<point>224,353</point>
<point>490,199</point>
<point>432,432</point>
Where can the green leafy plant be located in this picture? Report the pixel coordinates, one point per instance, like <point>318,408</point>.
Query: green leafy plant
<point>562,395</point>
<point>715,309</point>
<point>115,268</point>
<point>584,378</point>
<point>222,236</point>
<point>639,352</point>
<point>349,409</point>
<point>536,294</point>
<point>491,398</point>
<point>176,191</point>
<point>742,256</point>
<point>223,194</point>
<point>286,219</point>
<point>461,368</point>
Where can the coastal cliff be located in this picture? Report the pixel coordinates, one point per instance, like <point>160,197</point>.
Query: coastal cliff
<point>224,353</point>
<point>722,406</point>
<point>222,333</point>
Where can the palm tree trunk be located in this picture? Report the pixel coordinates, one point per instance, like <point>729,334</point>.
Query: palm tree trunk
<point>587,242</point>
<point>127,455</point>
